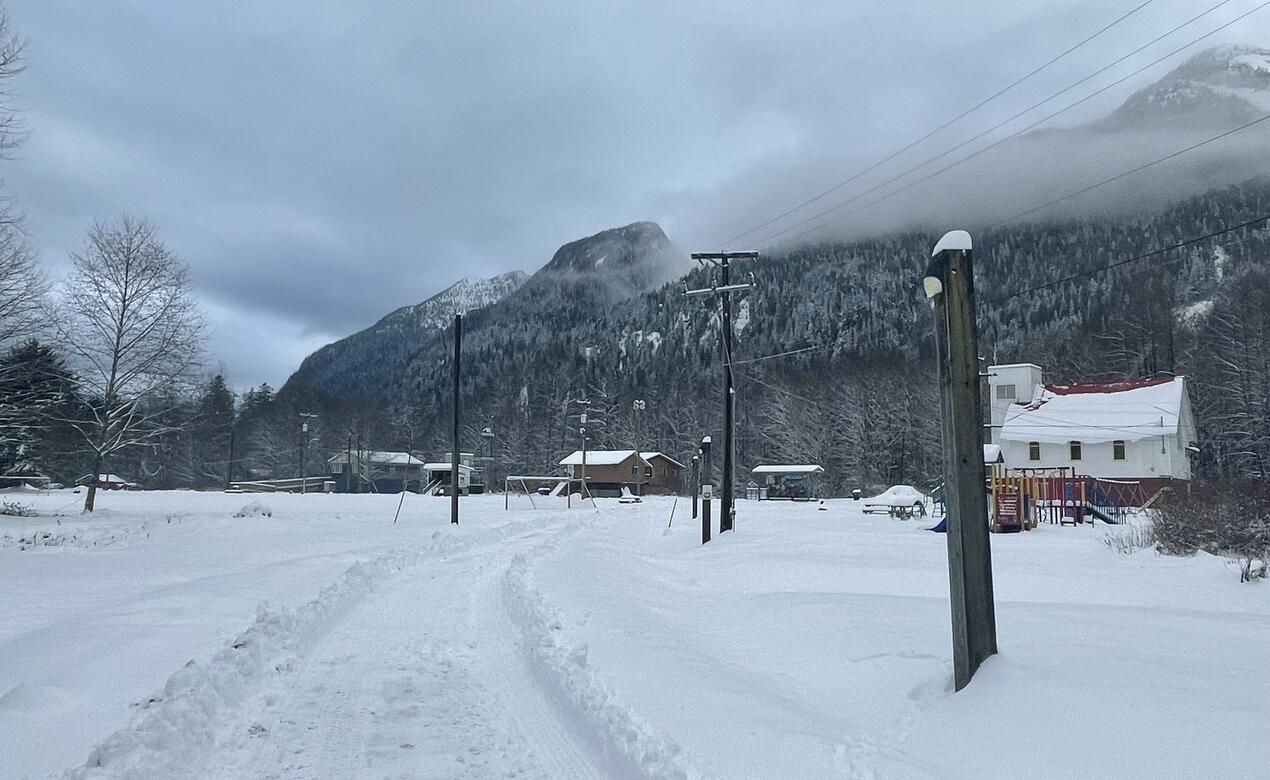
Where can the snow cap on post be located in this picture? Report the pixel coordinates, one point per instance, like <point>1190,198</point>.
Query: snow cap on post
<point>933,280</point>
<point>952,240</point>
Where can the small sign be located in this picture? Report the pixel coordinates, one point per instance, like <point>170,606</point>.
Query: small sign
<point>1007,508</point>
<point>707,491</point>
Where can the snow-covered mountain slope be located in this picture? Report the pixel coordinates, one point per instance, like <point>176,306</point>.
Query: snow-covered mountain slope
<point>583,278</point>
<point>1218,88</point>
<point>621,261</point>
<point>371,357</point>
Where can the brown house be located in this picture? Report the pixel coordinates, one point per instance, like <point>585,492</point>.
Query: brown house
<point>608,471</point>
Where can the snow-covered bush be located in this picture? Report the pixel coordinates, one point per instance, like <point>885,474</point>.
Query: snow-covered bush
<point>1229,518</point>
<point>1131,538</point>
<point>254,509</point>
<point>14,509</point>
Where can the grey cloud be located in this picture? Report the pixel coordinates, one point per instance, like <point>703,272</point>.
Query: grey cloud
<point>320,164</point>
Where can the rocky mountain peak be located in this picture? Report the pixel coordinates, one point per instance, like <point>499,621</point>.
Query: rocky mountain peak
<point>1220,87</point>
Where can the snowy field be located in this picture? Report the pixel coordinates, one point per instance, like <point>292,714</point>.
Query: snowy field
<point>164,637</point>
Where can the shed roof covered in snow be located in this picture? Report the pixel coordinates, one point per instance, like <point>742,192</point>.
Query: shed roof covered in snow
<point>992,454</point>
<point>445,467</point>
<point>597,457</point>
<point>377,458</point>
<point>1130,410</point>
<point>805,468</point>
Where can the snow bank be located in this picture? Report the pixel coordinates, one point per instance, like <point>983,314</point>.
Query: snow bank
<point>628,742</point>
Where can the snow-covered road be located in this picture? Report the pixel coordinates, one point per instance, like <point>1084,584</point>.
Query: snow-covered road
<point>601,643</point>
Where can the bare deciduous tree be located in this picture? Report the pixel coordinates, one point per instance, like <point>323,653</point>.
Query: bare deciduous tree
<point>132,325</point>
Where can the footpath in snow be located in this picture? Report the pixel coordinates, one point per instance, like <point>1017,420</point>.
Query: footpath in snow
<point>600,643</point>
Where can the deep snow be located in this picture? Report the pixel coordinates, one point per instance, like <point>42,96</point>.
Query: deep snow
<point>585,642</point>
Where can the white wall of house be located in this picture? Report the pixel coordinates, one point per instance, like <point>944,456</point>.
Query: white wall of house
<point>1154,456</point>
<point>1006,385</point>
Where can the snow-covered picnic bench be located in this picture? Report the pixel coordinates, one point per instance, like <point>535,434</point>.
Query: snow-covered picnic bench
<point>899,501</point>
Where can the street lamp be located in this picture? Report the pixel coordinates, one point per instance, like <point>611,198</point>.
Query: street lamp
<point>638,406</point>
<point>304,446</point>
<point>487,434</point>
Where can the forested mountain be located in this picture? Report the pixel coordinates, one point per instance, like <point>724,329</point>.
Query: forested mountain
<point>860,399</point>
<point>373,358</point>
<point>832,345</point>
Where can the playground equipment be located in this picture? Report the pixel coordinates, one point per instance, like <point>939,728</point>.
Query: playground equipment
<point>1022,498</point>
<point>546,487</point>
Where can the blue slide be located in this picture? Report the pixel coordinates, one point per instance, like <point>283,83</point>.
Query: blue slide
<point>942,528</point>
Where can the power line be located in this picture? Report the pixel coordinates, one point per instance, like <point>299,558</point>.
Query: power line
<point>779,355</point>
<point>994,144</point>
<point>1136,258</point>
<point>940,128</point>
<point>1132,171</point>
<point>1036,288</point>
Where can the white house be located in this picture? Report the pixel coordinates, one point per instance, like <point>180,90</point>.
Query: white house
<point>1138,429</point>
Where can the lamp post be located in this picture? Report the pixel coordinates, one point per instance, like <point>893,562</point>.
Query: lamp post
<point>638,406</point>
<point>487,433</point>
<point>304,445</point>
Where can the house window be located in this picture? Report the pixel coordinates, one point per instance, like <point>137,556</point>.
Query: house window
<point>1117,450</point>
<point>1034,450</point>
<point>1005,392</point>
<point>634,471</point>
<point>648,471</point>
<point>1075,450</point>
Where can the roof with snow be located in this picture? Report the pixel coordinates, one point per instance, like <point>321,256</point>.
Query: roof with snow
<point>992,454</point>
<point>445,467</point>
<point>597,457</point>
<point>376,458</point>
<point>805,468</point>
<point>111,478</point>
<point>1129,410</point>
<point>651,455</point>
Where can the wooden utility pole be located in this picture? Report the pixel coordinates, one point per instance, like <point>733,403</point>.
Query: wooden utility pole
<point>949,284</point>
<point>725,290</point>
<point>454,456</point>
<point>696,482</point>
<point>229,469</point>
<point>706,489</point>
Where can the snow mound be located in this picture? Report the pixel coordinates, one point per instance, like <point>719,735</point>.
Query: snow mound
<point>631,745</point>
<point>254,509</point>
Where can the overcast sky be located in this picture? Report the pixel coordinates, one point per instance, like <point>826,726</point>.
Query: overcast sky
<point>319,164</point>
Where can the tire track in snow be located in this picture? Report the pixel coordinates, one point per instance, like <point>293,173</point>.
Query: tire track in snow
<point>629,746</point>
<point>175,733</point>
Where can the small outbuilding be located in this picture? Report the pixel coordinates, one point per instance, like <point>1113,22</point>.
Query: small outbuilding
<point>438,478</point>
<point>608,472</point>
<point>380,472</point>
<point>793,482</point>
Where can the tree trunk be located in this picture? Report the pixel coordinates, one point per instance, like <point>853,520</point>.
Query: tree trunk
<point>91,498</point>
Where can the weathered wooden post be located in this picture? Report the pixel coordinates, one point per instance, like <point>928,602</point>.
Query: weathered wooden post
<point>707,490</point>
<point>949,284</point>
<point>454,456</point>
<point>696,482</point>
